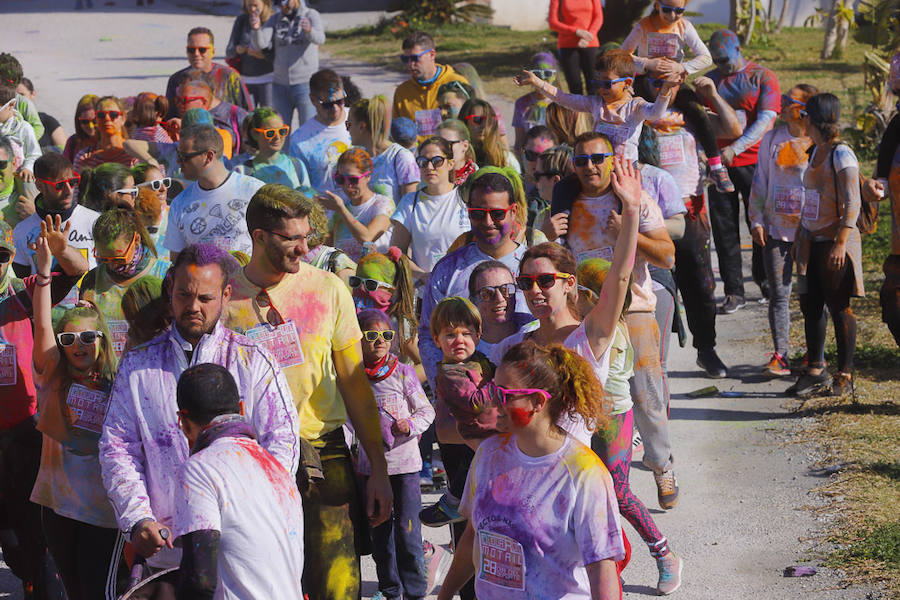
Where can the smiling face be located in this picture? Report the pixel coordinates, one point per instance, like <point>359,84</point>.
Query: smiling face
<point>200,52</point>
<point>275,143</point>
<point>545,303</point>
<point>616,91</point>
<point>489,232</point>
<point>198,299</point>
<point>80,357</point>
<point>154,174</point>
<point>375,351</point>
<point>499,308</point>
<point>457,343</point>
<point>354,191</point>
<point>431,175</point>
<point>594,178</point>
<point>285,246</point>
<point>670,16</point>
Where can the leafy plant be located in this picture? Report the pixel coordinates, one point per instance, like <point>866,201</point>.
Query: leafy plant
<point>425,14</point>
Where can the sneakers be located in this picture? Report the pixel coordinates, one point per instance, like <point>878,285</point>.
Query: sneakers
<point>426,478</point>
<point>777,366</point>
<point>670,567</point>
<point>721,180</point>
<point>637,443</point>
<point>731,305</point>
<point>842,385</point>
<point>710,362</point>
<point>436,567</point>
<point>441,513</point>
<point>666,489</point>
<point>806,384</point>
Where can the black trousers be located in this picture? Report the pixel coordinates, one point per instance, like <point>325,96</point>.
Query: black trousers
<point>576,62</point>
<point>457,459</point>
<point>724,216</point>
<point>694,275</point>
<point>890,295</point>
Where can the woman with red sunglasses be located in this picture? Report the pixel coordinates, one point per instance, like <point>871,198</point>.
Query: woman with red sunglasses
<point>110,120</point>
<point>480,118</point>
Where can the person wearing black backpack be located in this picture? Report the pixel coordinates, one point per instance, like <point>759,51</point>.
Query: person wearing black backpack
<point>828,248</point>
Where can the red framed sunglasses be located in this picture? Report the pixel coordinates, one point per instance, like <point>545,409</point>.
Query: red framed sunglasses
<point>497,214</point>
<point>476,119</point>
<point>112,115</point>
<point>545,281</point>
<point>72,182</point>
<point>182,100</point>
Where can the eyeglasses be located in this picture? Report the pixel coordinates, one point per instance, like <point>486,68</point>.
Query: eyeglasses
<point>671,9</point>
<point>497,214</point>
<point>501,395</point>
<point>133,192</point>
<point>788,101</point>
<point>185,100</point>
<point>476,119</point>
<point>657,82</point>
<point>545,281</point>
<point>371,336</point>
<point>201,49</point>
<point>273,317</point>
<point>531,155</point>
<point>341,179</point>
<point>122,259</point>
<point>408,58</point>
<point>112,115</point>
<point>4,164</point>
<point>598,159</point>
<point>435,161</point>
<point>85,338</point>
<point>608,83</point>
<point>488,292</point>
<point>289,238</point>
<point>547,174</point>
<point>72,182</point>
<point>86,121</point>
<point>185,156</point>
<point>271,133</point>
<point>545,74</point>
<point>330,104</point>
<point>157,184</point>
<point>369,284</point>
<point>5,256</point>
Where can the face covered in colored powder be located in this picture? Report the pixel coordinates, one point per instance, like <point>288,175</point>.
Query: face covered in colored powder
<point>124,257</point>
<point>725,48</point>
<point>519,410</point>
<point>484,208</point>
<point>371,286</point>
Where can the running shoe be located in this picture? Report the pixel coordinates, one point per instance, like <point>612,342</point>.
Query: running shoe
<point>379,595</point>
<point>731,304</point>
<point>807,384</point>
<point>426,478</point>
<point>441,513</point>
<point>710,362</point>
<point>842,384</point>
<point>436,567</point>
<point>437,467</point>
<point>666,489</point>
<point>721,180</point>
<point>670,567</point>
<point>637,444</point>
<point>777,366</point>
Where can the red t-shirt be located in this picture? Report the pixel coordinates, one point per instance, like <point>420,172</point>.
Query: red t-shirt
<point>568,16</point>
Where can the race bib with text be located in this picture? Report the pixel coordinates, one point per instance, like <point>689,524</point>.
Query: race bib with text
<point>283,342</point>
<point>502,560</point>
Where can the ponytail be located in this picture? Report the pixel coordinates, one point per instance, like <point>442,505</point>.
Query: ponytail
<point>404,304</point>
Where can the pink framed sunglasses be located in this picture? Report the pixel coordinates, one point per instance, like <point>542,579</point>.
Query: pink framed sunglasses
<point>501,395</point>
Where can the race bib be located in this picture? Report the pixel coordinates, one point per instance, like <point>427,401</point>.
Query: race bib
<point>671,150</point>
<point>502,560</point>
<point>789,201</point>
<point>811,205</point>
<point>393,404</point>
<point>118,331</point>
<point>283,342</point>
<point>663,44</point>
<point>88,407</point>
<point>605,253</point>
<point>427,121</point>
<point>8,369</point>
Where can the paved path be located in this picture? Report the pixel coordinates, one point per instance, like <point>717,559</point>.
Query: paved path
<point>739,522</point>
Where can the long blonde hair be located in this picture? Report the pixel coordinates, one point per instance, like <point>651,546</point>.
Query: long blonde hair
<point>264,14</point>
<point>375,113</point>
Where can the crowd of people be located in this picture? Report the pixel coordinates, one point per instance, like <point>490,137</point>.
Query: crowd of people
<point>229,346</point>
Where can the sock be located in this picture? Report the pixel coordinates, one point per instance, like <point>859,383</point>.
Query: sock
<point>659,549</point>
<point>715,162</point>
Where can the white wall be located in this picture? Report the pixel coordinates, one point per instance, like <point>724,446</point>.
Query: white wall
<point>527,15</point>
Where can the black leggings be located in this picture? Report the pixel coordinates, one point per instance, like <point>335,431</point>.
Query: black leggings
<point>576,62</point>
<point>695,116</point>
<point>833,289</point>
<point>85,556</point>
<point>457,459</point>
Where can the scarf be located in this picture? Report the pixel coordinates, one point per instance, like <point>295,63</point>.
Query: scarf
<point>363,299</point>
<point>463,172</point>
<point>222,426</point>
<point>138,263</point>
<point>382,368</point>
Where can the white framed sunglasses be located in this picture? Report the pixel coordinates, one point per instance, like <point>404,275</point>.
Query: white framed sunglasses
<point>85,338</point>
<point>157,184</point>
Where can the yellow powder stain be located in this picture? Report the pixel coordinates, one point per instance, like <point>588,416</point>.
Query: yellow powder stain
<point>342,577</point>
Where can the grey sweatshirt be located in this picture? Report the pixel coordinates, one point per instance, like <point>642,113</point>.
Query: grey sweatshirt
<point>296,52</point>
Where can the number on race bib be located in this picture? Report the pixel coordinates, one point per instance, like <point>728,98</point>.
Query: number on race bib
<point>788,201</point>
<point>502,560</point>
<point>282,341</point>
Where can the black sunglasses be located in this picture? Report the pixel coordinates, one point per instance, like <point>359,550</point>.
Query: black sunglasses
<point>531,155</point>
<point>671,9</point>
<point>86,338</point>
<point>488,292</point>
<point>4,164</point>
<point>183,156</point>
<point>598,159</point>
<point>372,335</point>
<point>5,256</point>
<point>436,161</point>
<point>329,104</point>
<point>722,60</point>
<point>545,281</point>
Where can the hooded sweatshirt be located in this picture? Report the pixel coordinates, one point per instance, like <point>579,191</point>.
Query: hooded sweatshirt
<point>418,102</point>
<point>296,51</point>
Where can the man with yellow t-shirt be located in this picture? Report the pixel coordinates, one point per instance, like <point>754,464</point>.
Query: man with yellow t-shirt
<point>416,99</point>
<point>306,318</point>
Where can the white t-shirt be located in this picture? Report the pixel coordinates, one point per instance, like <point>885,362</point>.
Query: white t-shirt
<point>237,488</point>
<point>81,236</point>
<point>320,146</point>
<point>392,168</point>
<point>364,213</point>
<point>216,216</point>
<point>539,521</point>
<point>434,222</point>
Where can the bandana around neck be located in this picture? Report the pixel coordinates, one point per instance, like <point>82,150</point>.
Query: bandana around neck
<point>222,426</point>
<point>383,368</point>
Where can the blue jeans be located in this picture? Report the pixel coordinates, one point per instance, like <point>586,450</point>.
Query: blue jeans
<point>287,98</point>
<point>397,543</point>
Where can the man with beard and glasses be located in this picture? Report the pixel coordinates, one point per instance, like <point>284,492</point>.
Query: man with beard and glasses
<point>141,447</point>
<point>307,318</point>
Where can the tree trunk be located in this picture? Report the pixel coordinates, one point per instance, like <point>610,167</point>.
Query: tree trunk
<point>734,14</point>
<point>748,35</point>
<point>843,30</point>
<point>784,9</point>
<point>831,31</point>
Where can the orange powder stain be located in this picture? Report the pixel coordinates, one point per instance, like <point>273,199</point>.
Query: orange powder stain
<point>792,154</point>
<point>582,223</point>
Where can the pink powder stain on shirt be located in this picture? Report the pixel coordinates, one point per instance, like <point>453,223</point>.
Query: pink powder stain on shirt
<point>273,470</point>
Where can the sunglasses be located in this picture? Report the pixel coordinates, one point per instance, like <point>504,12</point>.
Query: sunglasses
<point>85,338</point>
<point>369,284</point>
<point>545,281</point>
<point>545,74</point>
<point>501,395</point>
<point>133,192</point>
<point>802,113</point>
<point>657,82</point>
<point>598,159</point>
<point>271,133</point>
<point>112,115</point>
<point>608,83</point>
<point>201,49</point>
<point>435,161</point>
<point>497,214</point>
<point>157,184</point>
<point>122,259</point>
<point>85,121</point>
<point>341,179</point>
<point>330,104</point>
<point>273,317</point>
<point>788,101</point>
<point>476,119</point>
<point>5,256</point>
<point>4,164</point>
<point>671,9</point>
<point>547,174</point>
<point>373,335</point>
<point>488,292</point>
<point>184,100</point>
<point>185,156</point>
<point>72,182</point>
<point>408,58</point>
<point>531,155</point>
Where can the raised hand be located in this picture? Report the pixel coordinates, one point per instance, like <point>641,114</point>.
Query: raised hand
<point>43,258</point>
<point>527,78</point>
<point>56,234</point>
<point>626,183</point>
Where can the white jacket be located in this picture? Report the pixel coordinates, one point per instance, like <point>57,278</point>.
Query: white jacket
<point>142,447</point>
